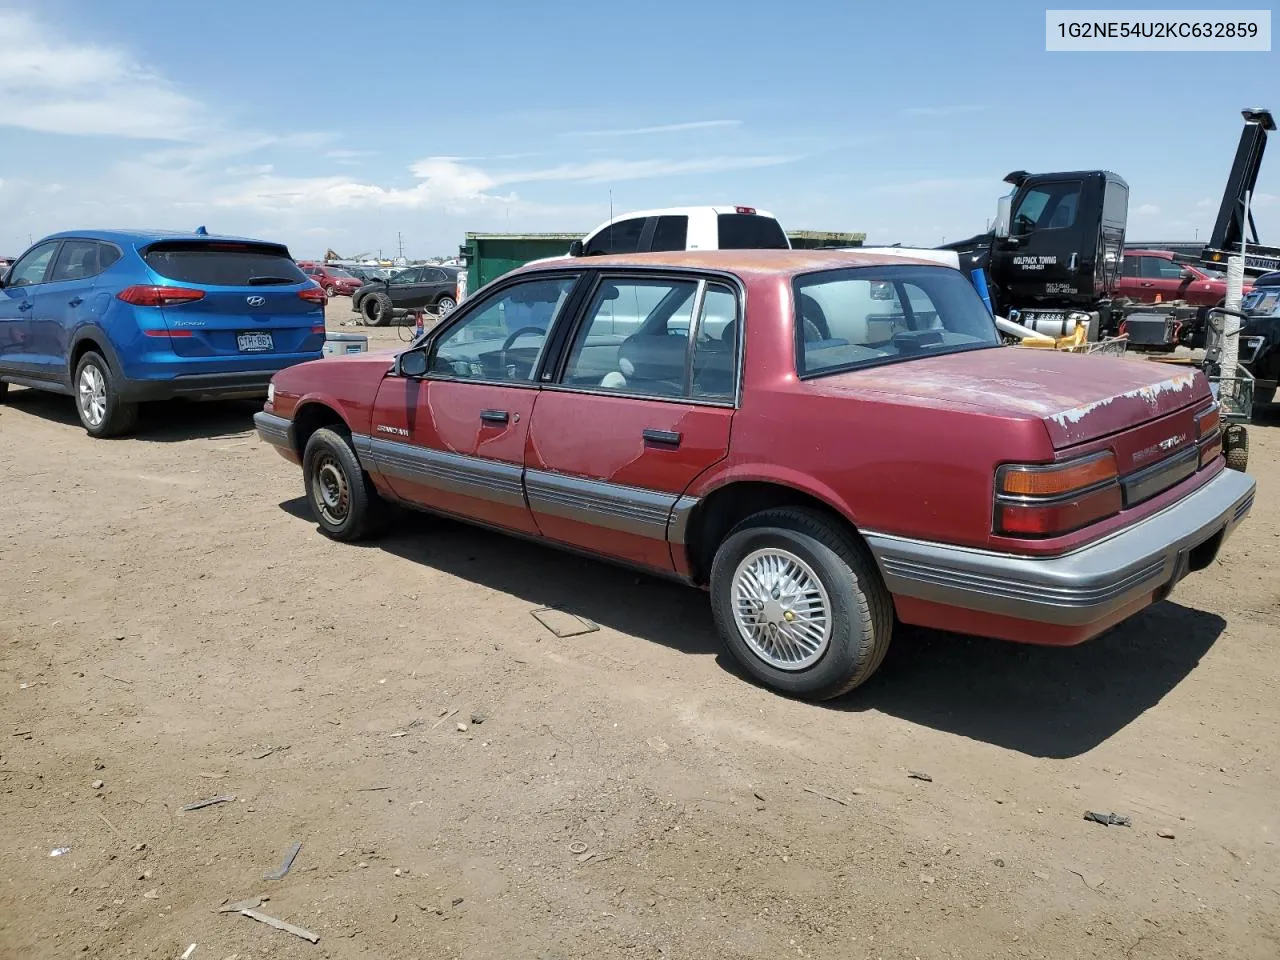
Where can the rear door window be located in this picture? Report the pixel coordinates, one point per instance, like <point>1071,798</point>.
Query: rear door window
<point>671,233</point>
<point>224,264</point>
<point>749,231</point>
<point>78,259</point>
<point>621,237</point>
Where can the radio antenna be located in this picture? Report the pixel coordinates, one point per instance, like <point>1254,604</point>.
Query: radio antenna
<point>611,220</point>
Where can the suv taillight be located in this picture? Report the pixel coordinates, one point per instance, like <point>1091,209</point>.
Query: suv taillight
<point>151,295</point>
<point>1046,501</point>
<point>313,295</point>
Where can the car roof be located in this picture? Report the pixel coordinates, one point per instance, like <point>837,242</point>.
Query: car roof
<point>762,263</point>
<point>1268,280</point>
<point>141,237</point>
<point>1165,254</point>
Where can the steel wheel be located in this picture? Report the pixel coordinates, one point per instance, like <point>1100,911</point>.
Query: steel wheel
<point>91,395</point>
<point>781,609</point>
<point>331,492</point>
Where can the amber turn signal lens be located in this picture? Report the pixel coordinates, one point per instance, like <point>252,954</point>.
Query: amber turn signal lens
<point>1057,479</point>
<point>1208,421</point>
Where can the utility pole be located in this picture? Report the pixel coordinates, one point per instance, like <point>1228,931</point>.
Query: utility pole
<point>400,237</point>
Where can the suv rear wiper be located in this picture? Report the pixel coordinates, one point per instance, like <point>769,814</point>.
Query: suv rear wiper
<point>267,281</point>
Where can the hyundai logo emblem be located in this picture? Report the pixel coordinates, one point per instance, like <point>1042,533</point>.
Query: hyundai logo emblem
<point>255,301</point>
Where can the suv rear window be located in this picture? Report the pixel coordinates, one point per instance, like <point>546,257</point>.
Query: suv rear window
<point>224,264</point>
<point>748,231</point>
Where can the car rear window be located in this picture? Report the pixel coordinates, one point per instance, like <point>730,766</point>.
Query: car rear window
<point>224,264</point>
<point>748,231</point>
<point>867,316</point>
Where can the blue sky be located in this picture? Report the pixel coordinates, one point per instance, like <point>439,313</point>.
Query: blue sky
<point>331,124</point>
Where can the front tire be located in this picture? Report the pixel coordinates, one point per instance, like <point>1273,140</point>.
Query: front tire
<point>341,496</point>
<point>102,412</point>
<point>800,603</point>
<point>330,292</point>
<point>376,309</point>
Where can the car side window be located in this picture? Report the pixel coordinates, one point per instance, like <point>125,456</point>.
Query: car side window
<point>32,267</point>
<point>715,346</point>
<point>77,260</point>
<point>503,338</point>
<point>432,275</point>
<point>1158,268</point>
<point>405,276</point>
<point>621,237</point>
<point>1131,266</point>
<point>1047,207</point>
<point>672,233</point>
<point>635,338</point>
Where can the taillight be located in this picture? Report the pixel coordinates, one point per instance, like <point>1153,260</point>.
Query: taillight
<point>177,334</point>
<point>746,210</point>
<point>313,295</point>
<point>318,328</point>
<point>1209,434</point>
<point>151,295</point>
<point>1048,500</point>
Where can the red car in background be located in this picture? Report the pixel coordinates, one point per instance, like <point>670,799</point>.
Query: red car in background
<point>1154,276</point>
<point>333,281</point>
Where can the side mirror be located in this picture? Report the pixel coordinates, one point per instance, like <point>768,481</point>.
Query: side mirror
<point>575,248</point>
<point>413,363</point>
<point>1187,274</point>
<point>1004,208</point>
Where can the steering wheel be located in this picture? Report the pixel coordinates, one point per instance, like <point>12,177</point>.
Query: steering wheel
<point>510,341</point>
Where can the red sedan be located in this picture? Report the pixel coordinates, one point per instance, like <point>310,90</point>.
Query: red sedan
<point>829,443</point>
<point>334,281</point>
<point>1154,276</point>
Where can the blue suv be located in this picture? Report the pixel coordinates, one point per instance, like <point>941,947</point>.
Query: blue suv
<point>114,318</point>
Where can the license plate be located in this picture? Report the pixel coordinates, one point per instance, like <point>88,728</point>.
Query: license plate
<point>254,342</point>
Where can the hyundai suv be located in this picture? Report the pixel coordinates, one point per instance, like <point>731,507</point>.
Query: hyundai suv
<point>114,318</point>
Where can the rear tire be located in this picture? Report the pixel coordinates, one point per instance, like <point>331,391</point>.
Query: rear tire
<point>376,309</point>
<point>445,306</point>
<point>1235,447</point>
<point>800,603</point>
<point>341,496</point>
<point>97,397</point>
<point>330,292</point>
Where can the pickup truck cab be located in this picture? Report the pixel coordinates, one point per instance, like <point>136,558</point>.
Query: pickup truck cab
<point>828,442</point>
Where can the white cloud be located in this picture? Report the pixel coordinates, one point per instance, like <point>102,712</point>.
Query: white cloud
<point>1147,210</point>
<point>52,85</point>
<point>664,128</point>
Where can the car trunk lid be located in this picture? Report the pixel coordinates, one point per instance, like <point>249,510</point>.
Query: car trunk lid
<point>252,301</point>
<point>1079,399</point>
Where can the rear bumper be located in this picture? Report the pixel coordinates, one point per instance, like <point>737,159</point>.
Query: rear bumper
<point>1083,592</point>
<point>245,384</point>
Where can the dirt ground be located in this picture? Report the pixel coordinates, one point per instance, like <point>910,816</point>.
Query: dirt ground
<point>466,785</point>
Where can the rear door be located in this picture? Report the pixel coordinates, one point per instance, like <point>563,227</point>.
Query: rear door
<point>246,299</point>
<point>406,288</point>
<point>1130,284</point>
<point>641,405</point>
<point>454,440</point>
<point>1161,279</point>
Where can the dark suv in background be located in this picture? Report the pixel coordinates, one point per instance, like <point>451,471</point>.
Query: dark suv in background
<point>416,288</point>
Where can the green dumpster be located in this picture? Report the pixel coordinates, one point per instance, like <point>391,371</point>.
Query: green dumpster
<point>490,255</point>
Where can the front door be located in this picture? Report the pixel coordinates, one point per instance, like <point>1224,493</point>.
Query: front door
<point>1043,251</point>
<point>454,440</point>
<point>17,305</point>
<point>642,407</point>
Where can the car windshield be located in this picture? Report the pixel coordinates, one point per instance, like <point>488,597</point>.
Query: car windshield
<point>1262,301</point>
<point>867,316</point>
<point>342,274</point>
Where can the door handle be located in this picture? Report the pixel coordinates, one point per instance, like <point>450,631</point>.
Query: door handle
<point>665,438</point>
<point>494,416</point>
<point>1148,284</point>
<point>1071,264</point>
<point>25,305</point>
<point>75,301</point>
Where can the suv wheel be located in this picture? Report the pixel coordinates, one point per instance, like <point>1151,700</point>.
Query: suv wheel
<point>376,309</point>
<point>102,412</point>
<point>445,306</point>
<point>341,495</point>
<point>800,604</point>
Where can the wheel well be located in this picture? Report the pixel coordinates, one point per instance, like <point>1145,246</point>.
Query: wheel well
<point>80,349</point>
<point>728,506</point>
<point>309,418</point>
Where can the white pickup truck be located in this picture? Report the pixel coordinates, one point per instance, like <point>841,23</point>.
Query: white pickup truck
<point>676,228</point>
